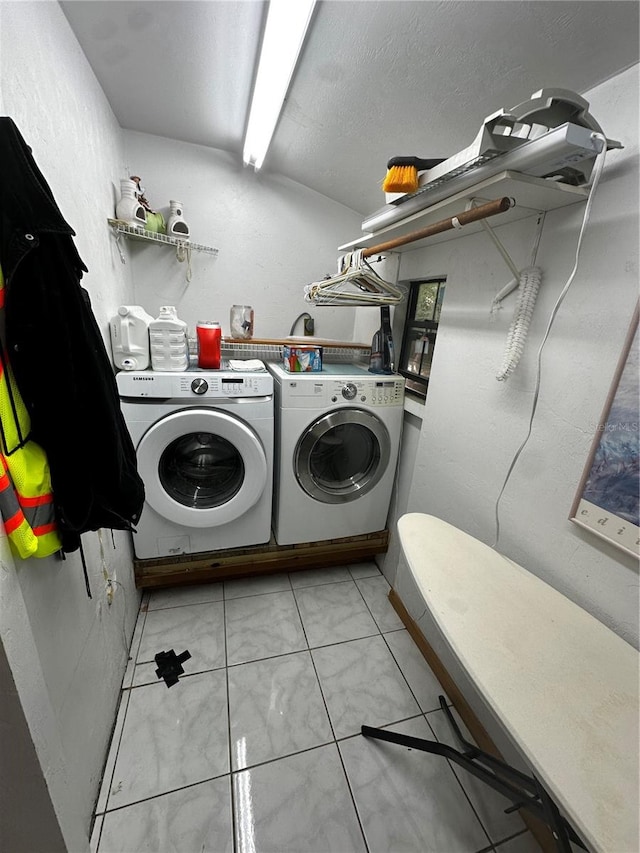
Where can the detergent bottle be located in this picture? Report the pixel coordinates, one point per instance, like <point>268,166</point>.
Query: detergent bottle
<point>168,341</point>
<point>130,338</point>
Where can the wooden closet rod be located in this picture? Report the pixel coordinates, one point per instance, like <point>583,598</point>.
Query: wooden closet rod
<point>500,205</point>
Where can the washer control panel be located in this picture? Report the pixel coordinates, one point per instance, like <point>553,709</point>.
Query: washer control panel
<point>201,384</point>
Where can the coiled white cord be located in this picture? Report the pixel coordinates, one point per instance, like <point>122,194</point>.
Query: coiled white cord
<point>597,173</point>
<point>527,292</point>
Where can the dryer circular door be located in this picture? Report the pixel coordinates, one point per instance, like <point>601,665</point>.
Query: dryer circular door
<point>202,467</point>
<point>342,455</point>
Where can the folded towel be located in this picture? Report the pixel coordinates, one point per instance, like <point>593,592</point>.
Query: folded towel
<point>248,364</point>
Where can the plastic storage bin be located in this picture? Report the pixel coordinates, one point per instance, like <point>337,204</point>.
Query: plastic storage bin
<point>168,341</point>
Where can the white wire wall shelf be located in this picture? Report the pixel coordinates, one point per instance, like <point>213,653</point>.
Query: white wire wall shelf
<point>120,228</point>
<point>271,349</point>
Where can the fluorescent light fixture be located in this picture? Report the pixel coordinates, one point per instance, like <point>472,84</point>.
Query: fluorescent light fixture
<point>284,35</point>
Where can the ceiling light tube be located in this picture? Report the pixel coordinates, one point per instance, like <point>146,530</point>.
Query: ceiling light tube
<point>284,35</point>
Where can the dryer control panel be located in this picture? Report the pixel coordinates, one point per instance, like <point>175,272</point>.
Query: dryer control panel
<point>373,392</point>
<point>309,392</point>
<point>387,392</point>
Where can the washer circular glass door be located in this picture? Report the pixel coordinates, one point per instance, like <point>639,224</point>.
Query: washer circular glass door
<point>202,467</point>
<point>342,456</point>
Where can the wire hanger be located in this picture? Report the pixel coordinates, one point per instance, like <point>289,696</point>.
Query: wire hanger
<point>358,284</point>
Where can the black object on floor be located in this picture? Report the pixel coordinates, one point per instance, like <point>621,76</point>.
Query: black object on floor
<point>170,666</point>
<point>525,792</point>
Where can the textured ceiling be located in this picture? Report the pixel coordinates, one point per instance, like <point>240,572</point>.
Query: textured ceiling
<point>374,80</point>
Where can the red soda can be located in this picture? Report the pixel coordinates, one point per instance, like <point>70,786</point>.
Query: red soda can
<point>209,344</point>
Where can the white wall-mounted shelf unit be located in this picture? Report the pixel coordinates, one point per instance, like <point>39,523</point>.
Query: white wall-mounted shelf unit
<point>131,233</point>
<point>531,196</point>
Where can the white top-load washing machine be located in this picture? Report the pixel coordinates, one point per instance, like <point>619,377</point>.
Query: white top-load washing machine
<point>204,444</point>
<point>337,441</point>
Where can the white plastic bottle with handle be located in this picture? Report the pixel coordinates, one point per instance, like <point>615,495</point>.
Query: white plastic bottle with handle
<point>130,337</point>
<point>168,341</point>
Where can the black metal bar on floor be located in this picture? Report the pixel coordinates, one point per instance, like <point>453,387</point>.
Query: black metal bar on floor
<point>521,790</point>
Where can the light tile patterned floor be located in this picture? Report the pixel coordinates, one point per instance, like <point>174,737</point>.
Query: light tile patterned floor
<point>257,748</point>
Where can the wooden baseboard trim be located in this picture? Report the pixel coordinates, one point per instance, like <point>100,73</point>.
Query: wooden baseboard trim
<point>233,563</point>
<point>538,829</point>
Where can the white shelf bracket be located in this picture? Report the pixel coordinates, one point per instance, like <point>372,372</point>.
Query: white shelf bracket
<point>116,235</point>
<point>515,281</point>
<point>506,257</point>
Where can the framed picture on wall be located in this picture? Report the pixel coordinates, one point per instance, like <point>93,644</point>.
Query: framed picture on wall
<point>608,501</point>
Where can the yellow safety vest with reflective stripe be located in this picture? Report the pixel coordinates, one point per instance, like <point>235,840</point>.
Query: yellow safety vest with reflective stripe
<point>26,500</point>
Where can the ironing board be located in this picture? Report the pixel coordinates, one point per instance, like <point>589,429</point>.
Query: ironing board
<point>562,685</point>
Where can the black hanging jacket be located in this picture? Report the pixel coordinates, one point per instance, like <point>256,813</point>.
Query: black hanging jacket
<point>58,355</point>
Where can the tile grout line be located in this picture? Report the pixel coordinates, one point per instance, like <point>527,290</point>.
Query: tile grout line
<point>233,773</point>
<point>335,741</point>
<point>495,842</point>
<point>406,681</point>
<point>375,621</point>
<point>464,790</point>
<point>353,799</point>
<point>229,746</point>
<point>267,658</point>
<point>264,763</point>
<point>134,654</point>
<point>499,844</point>
<point>186,604</point>
<point>422,715</point>
<point>125,695</point>
<point>395,660</point>
<point>161,794</point>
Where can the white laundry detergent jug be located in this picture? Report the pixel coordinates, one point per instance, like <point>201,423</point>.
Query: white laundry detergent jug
<point>130,337</point>
<point>168,340</point>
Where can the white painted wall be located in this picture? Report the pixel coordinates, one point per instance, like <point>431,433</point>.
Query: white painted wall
<point>67,652</point>
<point>274,236</point>
<point>473,424</point>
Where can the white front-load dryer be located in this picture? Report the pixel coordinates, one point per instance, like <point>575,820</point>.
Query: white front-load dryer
<point>204,446</point>
<point>338,435</point>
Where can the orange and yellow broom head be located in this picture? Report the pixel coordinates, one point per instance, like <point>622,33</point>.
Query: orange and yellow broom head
<point>402,173</point>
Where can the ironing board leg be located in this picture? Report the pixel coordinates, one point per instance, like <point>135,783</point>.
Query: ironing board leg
<point>523,791</point>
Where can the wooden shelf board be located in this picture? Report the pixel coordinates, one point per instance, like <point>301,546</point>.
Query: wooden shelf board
<point>187,569</point>
<point>310,341</point>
